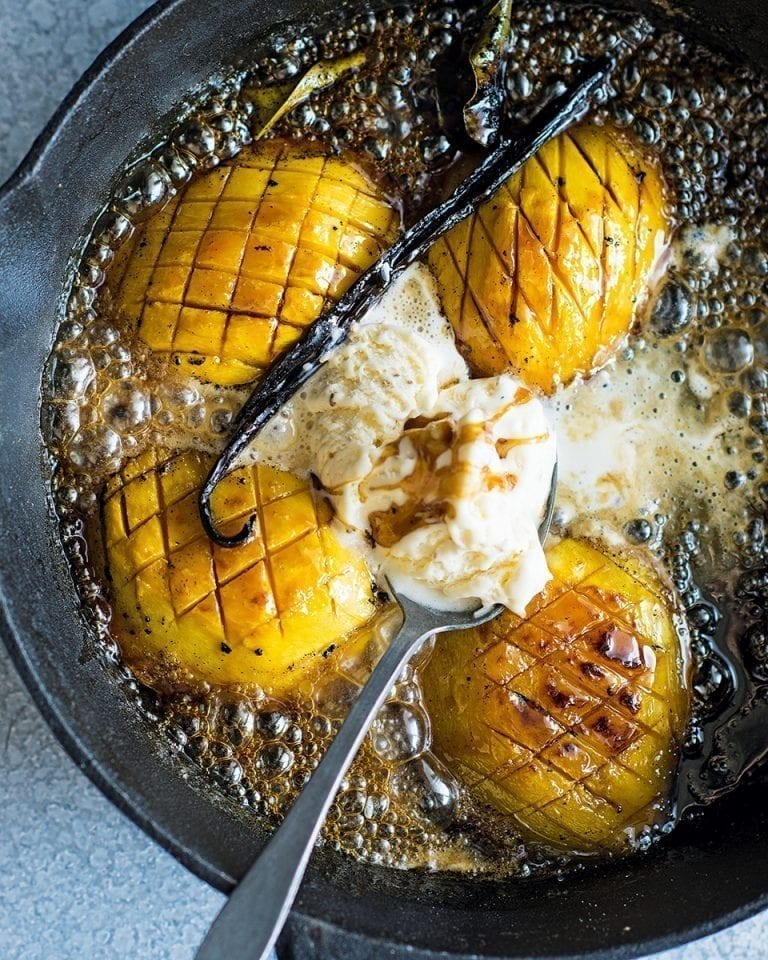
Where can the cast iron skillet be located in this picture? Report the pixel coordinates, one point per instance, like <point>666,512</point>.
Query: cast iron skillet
<point>711,874</point>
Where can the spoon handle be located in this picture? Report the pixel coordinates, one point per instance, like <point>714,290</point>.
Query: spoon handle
<point>251,920</point>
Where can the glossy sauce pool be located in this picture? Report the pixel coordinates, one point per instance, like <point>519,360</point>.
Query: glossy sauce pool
<point>678,469</point>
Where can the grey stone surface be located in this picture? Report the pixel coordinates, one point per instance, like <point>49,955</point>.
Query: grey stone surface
<point>77,880</point>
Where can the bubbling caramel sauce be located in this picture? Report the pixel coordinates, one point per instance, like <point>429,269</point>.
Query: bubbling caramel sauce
<point>694,379</point>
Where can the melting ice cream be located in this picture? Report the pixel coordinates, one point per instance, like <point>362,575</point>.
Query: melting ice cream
<point>443,478</point>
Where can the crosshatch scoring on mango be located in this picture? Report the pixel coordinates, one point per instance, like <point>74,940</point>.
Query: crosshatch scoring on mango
<point>568,719</point>
<point>263,613</point>
<point>547,276</point>
<point>232,270</point>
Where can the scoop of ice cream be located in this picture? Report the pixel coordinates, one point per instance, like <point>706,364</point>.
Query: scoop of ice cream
<point>445,476</point>
<point>454,503</point>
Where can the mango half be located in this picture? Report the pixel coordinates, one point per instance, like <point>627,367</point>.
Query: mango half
<point>547,276</point>
<point>568,719</point>
<point>262,613</point>
<point>232,270</point>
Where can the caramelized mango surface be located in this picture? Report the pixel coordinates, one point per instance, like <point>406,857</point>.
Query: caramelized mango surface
<point>567,719</point>
<point>262,613</point>
<point>230,272</point>
<point>548,275</point>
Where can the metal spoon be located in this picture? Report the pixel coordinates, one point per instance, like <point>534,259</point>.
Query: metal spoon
<point>251,920</point>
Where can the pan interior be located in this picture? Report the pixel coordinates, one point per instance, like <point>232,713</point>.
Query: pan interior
<point>212,837</point>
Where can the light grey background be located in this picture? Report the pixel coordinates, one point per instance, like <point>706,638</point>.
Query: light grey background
<point>77,880</point>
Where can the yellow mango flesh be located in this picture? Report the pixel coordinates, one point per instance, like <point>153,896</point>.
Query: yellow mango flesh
<point>567,719</point>
<point>547,277</point>
<point>262,613</point>
<point>232,270</point>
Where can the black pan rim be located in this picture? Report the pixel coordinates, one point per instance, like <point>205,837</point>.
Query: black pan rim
<point>123,797</point>
<point>54,711</point>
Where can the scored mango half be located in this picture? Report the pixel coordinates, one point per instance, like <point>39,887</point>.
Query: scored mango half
<point>232,270</point>
<point>547,276</point>
<point>568,719</point>
<point>262,613</point>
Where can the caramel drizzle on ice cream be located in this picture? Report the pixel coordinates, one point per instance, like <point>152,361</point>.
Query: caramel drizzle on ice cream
<point>440,476</point>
